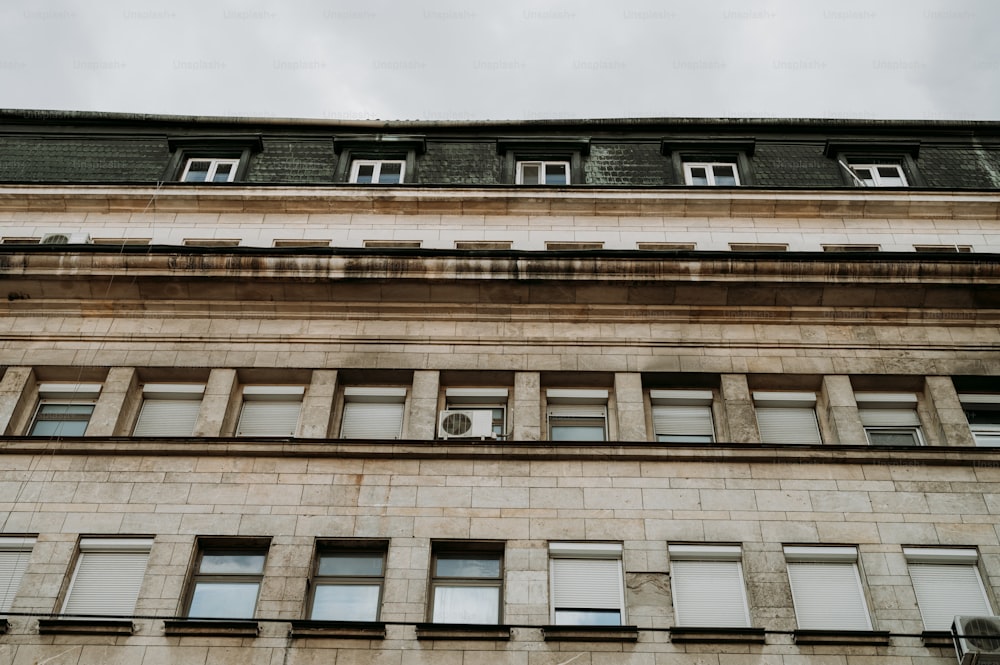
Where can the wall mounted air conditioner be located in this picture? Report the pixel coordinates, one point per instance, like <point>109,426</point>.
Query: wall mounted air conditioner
<point>977,639</point>
<point>66,239</point>
<point>466,424</point>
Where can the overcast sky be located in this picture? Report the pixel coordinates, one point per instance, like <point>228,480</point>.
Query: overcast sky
<point>505,59</point>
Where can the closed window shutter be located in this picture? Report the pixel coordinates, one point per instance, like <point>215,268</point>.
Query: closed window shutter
<point>263,418</point>
<point>106,583</point>
<point>670,420</point>
<point>12,567</point>
<point>167,417</point>
<point>577,411</point>
<point>709,594</point>
<point>828,596</point>
<point>889,418</point>
<point>372,420</point>
<point>945,591</point>
<point>786,424</point>
<point>587,584</point>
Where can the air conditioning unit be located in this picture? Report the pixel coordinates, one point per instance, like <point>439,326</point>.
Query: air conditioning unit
<point>66,239</point>
<point>977,639</point>
<point>466,424</point>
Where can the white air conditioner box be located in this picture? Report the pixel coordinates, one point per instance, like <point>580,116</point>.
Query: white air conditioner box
<point>466,424</point>
<point>66,239</point>
<point>977,639</point>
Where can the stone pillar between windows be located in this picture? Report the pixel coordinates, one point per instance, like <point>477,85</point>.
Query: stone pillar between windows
<point>317,405</point>
<point>630,408</point>
<point>117,404</point>
<point>215,418</point>
<point>526,407</point>
<point>838,411</point>
<point>740,416</point>
<point>945,417</point>
<point>422,419</point>
<point>18,390</point>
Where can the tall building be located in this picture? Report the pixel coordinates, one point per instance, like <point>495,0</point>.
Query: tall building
<point>600,392</point>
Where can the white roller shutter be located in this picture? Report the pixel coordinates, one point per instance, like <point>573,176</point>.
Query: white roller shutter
<point>106,581</point>
<point>587,584</point>
<point>264,418</point>
<point>670,420</point>
<point>709,594</point>
<point>167,417</point>
<point>828,596</point>
<point>788,424</point>
<point>372,420</point>
<point>889,417</point>
<point>947,590</point>
<point>14,556</point>
<point>578,411</point>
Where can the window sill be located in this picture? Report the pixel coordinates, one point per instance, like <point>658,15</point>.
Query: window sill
<point>85,626</point>
<point>211,627</point>
<point>937,638</point>
<point>462,631</point>
<point>368,630</point>
<point>717,635</point>
<point>869,637</point>
<point>590,633</point>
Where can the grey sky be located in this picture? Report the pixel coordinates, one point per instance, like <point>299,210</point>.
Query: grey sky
<point>445,59</point>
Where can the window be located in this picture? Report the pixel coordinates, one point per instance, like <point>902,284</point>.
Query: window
<point>826,588</point>
<point>466,585</point>
<point>226,582</point>
<point>377,171</point>
<point>950,249</point>
<point>682,416</point>
<point>543,173</point>
<point>372,413</point>
<point>270,410</point>
<point>707,586</point>
<point>347,585</point>
<point>107,577</point>
<point>587,586</point>
<point>169,409</point>
<point>947,584</point>
<point>890,419</point>
<point>787,417</point>
<point>204,169</point>
<point>15,552</point>
<point>577,415</point>
<point>493,400</point>
<point>711,174</point>
<point>983,414</point>
<point>64,409</point>
<point>879,175</point>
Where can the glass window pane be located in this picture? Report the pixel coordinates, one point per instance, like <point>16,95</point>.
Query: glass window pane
<point>197,171</point>
<point>345,602</point>
<point>365,172</point>
<point>588,618</point>
<point>232,563</point>
<point>529,174</point>
<point>578,432</point>
<point>699,176</point>
<point>68,409</point>
<point>724,174</point>
<point>59,428</point>
<point>485,567</point>
<point>892,438</point>
<point>389,173</point>
<point>679,438</point>
<point>983,416</point>
<point>217,600</point>
<point>555,174</point>
<point>466,604</point>
<point>355,565</point>
<point>222,172</point>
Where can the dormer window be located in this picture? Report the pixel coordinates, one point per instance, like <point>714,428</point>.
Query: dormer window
<point>377,171</point>
<point>377,159</point>
<point>710,162</point>
<point>543,173</point>
<point>880,175</point>
<point>711,174</point>
<point>887,163</point>
<point>210,170</point>
<point>552,162</point>
<point>215,160</point>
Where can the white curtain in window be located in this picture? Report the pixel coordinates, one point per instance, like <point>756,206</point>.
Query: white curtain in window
<point>466,604</point>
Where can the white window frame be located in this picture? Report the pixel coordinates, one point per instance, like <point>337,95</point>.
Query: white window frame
<point>270,410</point>
<point>787,417</point>
<point>707,581</point>
<point>376,165</point>
<point>107,577</point>
<point>15,553</point>
<point>876,178</point>
<point>892,413</point>
<point>710,173</point>
<point>984,434</point>
<point>682,416</point>
<point>481,399</point>
<point>572,407</point>
<point>815,571</point>
<point>213,167</point>
<point>597,594</point>
<point>543,166</point>
<point>65,394</point>
<point>176,393</point>
<point>947,583</point>
<point>361,399</point>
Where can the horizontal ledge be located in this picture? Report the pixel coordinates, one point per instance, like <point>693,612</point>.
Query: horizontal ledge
<point>211,627</point>
<point>865,637</point>
<point>590,633</point>
<point>86,626</point>
<point>372,630</point>
<point>937,638</point>
<point>682,634</point>
<point>462,631</point>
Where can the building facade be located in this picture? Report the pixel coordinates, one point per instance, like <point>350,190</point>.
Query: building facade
<point>698,392</point>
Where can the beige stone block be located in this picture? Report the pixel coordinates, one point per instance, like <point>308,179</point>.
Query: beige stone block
<point>218,410</point>
<point>16,399</point>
